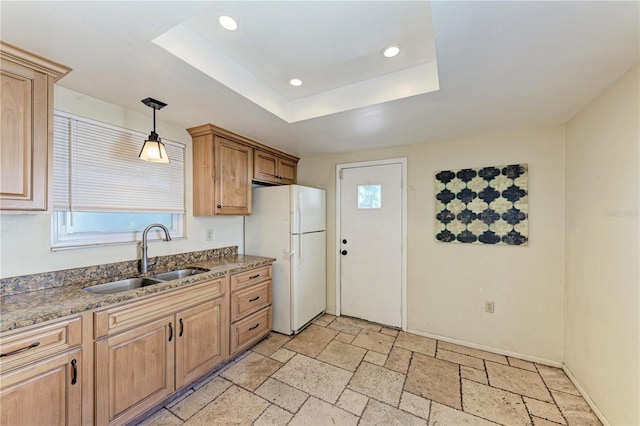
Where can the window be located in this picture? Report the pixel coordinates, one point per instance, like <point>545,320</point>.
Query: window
<point>369,196</point>
<point>103,193</point>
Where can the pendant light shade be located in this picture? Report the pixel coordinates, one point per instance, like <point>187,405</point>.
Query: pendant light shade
<point>153,149</point>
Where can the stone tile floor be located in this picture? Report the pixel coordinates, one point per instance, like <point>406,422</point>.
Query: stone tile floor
<point>344,371</point>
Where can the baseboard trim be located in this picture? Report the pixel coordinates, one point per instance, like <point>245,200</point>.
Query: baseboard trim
<point>489,349</point>
<point>586,396</point>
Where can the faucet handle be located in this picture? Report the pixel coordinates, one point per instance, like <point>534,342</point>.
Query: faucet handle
<point>152,264</point>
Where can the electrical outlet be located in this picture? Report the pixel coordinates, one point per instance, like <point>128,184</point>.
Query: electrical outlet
<point>209,235</point>
<point>489,306</point>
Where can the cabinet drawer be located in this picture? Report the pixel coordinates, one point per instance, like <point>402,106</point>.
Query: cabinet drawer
<point>37,343</point>
<point>251,329</point>
<point>245,279</point>
<point>250,299</point>
<point>114,320</point>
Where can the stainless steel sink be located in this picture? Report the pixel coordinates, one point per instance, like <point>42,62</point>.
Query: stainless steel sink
<point>180,273</point>
<point>122,285</point>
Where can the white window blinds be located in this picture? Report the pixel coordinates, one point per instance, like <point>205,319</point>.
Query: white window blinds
<point>96,169</point>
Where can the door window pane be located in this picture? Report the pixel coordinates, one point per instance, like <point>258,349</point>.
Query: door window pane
<point>369,196</point>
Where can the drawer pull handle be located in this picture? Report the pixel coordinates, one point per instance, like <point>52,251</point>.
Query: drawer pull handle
<point>170,331</point>
<point>181,327</point>
<point>254,327</point>
<point>74,364</point>
<point>17,351</point>
<point>254,276</point>
<point>254,299</point>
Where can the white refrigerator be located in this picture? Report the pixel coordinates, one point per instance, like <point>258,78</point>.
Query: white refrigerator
<point>288,223</point>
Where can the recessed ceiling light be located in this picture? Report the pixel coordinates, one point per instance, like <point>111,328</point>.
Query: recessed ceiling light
<point>295,82</point>
<point>228,23</point>
<point>391,51</point>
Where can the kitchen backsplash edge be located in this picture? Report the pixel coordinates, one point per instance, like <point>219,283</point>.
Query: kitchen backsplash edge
<point>98,274</point>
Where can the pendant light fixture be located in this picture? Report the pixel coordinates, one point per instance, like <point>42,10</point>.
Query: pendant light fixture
<point>153,149</point>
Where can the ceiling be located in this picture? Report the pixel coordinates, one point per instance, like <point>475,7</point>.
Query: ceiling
<point>336,48</point>
<point>497,65</point>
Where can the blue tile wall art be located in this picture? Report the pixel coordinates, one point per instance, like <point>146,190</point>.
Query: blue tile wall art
<point>488,205</point>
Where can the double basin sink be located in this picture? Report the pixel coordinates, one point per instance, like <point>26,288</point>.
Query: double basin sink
<point>133,283</point>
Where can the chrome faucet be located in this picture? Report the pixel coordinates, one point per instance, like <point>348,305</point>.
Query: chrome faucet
<point>144,262</point>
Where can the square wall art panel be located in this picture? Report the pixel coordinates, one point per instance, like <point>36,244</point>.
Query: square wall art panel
<point>488,205</point>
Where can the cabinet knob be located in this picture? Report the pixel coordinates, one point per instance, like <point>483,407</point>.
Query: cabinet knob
<point>219,206</point>
<point>344,241</point>
<point>344,252</point>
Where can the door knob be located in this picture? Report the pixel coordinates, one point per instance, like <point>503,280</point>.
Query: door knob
<point>344,252</point>
<point>344,241</point>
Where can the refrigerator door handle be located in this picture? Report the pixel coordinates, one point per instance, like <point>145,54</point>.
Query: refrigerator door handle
<point>301,230</point>
<point>289,253</point>
<point>301,215</point>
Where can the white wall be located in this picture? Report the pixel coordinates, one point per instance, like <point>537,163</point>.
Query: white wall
<point>25,246</point>
<point>449,283</point>
<point>602,347</point>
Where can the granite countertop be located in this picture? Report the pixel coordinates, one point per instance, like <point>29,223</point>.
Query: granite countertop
<point>21,310</point>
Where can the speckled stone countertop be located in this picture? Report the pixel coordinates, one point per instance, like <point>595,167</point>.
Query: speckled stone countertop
<point>34,307</point>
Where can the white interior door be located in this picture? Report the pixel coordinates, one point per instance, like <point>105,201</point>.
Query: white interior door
<point>371,243</point>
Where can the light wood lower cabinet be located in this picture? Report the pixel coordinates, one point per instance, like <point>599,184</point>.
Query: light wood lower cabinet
<point>134,371</point>
<point>251,311</point>
<point>137,354</point>
<point>47,392</point>
<point>42,375</point>
<point>172,340</point>
<point>203,340</point>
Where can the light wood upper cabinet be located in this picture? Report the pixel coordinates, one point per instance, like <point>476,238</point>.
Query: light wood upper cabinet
<point>270,168</point>
<point>233,168</point>
<point>26,135</point>
<point>222,171</point>
<point>225,164</point>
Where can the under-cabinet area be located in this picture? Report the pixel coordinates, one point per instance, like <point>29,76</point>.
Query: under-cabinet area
<point>112,364</point>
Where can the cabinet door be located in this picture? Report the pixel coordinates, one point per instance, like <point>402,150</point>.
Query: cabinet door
<point>134,370</point>
<point>233,171</point>
<point>48,392</point>
<point>203,340</point>
<point>265,167</point>
<point>287,170</point>
<point>24,139</point>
